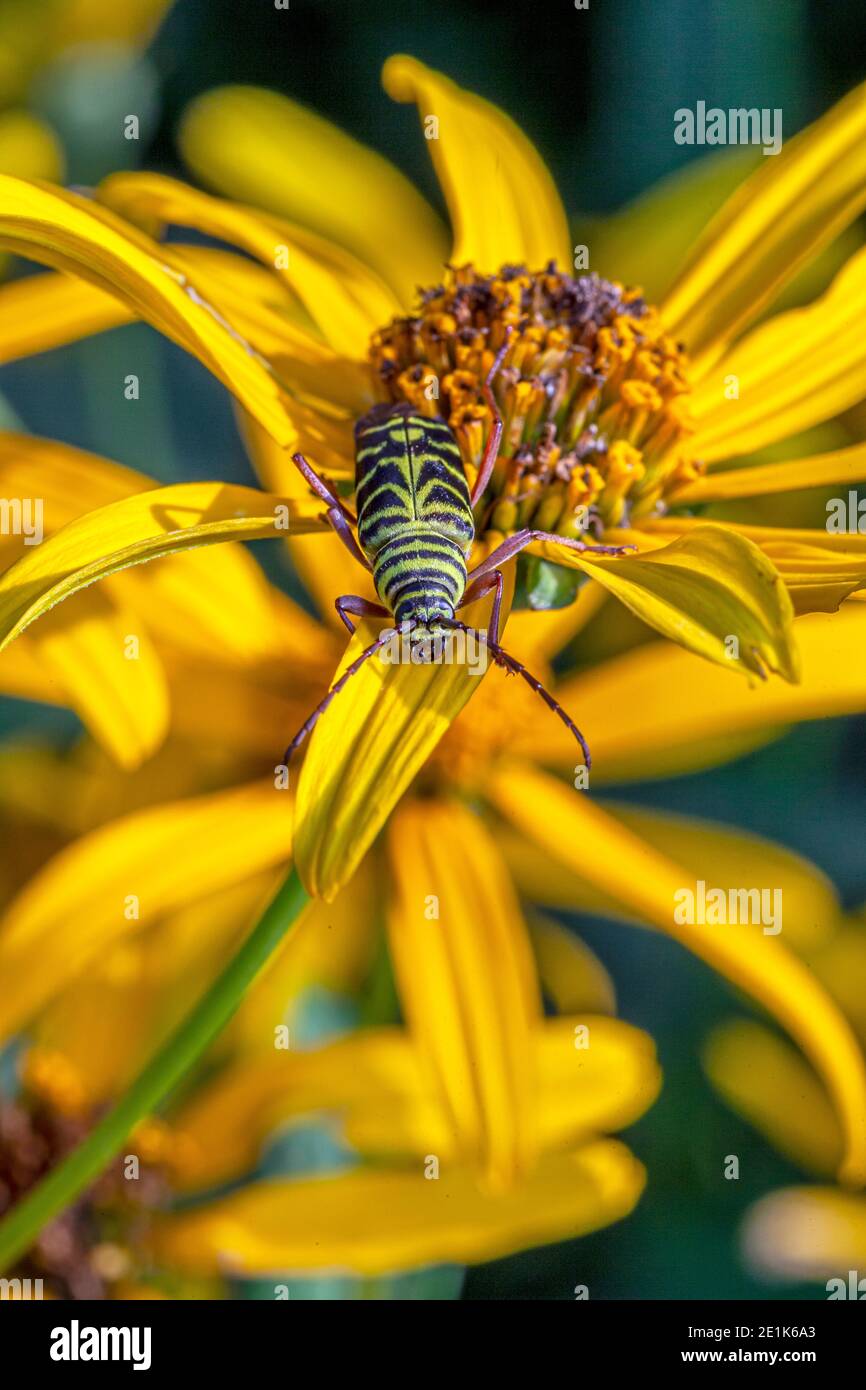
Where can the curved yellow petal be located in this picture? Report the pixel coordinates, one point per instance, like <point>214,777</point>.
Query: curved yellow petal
<point>221,1125</point>
<point>819,569</point>
<point>794,371</point>
<point>466,980</point>
<point>138,528</point>
<point>104,660</point>
<point>655,710</point>
<point>215,598</point>
<point>804,1233</point>
<point>66,232</point>
<point>345,299</point>
<point>712,591</point>
<point>49,310</point>
<point>572,974</point>
<point>793,205</point>
<point>838,466</point>
<point>503,203</point>
<point>730,858</point>
<point>132,870</point>
<point>269,151</point>
<point>365,750</point>
<point>378,1220</point>
<point>647,241</point>
<point>841,963</point>
<point>647,884</point>
<point>763,1078</point>
<point>596,1075</point>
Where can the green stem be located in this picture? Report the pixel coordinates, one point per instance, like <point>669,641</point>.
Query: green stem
<point>21,1227</point>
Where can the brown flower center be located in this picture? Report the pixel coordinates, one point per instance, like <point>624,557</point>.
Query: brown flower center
<point>89,1251</point>
<point>592,392</point>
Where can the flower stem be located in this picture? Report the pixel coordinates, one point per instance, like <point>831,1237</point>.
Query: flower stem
<point>21,1227</point>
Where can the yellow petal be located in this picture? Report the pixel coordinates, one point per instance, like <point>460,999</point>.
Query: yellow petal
<point>222,1124</point>
<point>809,1233</point>
<point>69,233</point>
<point>503,203</point>
<point>49,310</point>
<point>839,466</point>
<point>271,152</point>
<point>147,864</point>
<point>656,710</point>
<point>768,1082</point>
<point>728,858</point>
<point>791,207</point>
<point>215,598</point>
<point>723,858</point>
<point>345,299</point>
<point>702,591</point>
<point>647,242</point>
<point>334,950</point>
<point>365,750</point>
<point>572,974</point>
<point>375,1221</point>
<point>138,528</point>
<point>466,980</point>
<point>597,1074</point>
<point>798,369</point>
<point>105,662</point>
<point>646,883</point>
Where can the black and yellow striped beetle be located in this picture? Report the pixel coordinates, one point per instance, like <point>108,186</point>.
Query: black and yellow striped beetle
<point>416,528</point>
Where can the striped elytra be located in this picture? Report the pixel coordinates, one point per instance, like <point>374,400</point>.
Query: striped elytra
<point>415,520</point>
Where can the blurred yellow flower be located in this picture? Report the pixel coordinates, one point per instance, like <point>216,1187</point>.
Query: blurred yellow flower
<point>810,1232</point>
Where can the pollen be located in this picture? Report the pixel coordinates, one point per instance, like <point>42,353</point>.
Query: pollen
<point>594,395</point>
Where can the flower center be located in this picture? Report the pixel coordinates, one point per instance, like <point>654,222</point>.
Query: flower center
<point>593,393</point>
<point>88,1251</point>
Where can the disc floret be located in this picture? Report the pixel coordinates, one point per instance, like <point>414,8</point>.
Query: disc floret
<point>593,393</point>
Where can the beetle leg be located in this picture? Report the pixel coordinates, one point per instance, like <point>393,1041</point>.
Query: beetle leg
<point>359,608</point>
<point>477,589</point>
<point>344,531</point>
<point>321,488</point>
<point>494,438</point>
<point>512,545</point>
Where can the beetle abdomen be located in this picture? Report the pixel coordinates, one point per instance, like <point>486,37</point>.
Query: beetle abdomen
<point>420,574</point>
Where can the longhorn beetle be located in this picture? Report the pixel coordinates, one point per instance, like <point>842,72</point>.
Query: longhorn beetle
<point>416,527</point>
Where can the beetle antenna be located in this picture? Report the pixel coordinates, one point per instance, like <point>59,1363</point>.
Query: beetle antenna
<point>512,665</point>
<point>335,689</point>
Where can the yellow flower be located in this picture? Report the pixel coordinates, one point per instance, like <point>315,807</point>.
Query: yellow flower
<point>614,411</point>
<point>561,848</point>
<point>291,338</point>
